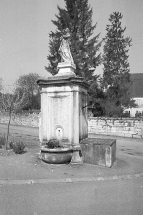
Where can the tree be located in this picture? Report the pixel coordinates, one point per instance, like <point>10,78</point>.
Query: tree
<point>28,89</point>
<point>1,81</point>
<point>116,72</point>
<point>77,17</point>
<point>9,103</point>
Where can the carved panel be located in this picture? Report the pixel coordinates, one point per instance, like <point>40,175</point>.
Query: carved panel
<point>60,114</point>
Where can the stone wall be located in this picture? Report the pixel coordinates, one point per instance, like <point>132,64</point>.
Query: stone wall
<point>126,127</point>
<point>31,120</point>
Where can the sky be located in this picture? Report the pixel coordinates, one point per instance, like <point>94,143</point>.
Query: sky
<point>25,26</point>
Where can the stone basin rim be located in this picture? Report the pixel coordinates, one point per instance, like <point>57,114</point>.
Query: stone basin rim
<point>56,150</point>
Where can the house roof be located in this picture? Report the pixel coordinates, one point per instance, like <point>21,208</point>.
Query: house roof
<point>137,85</point>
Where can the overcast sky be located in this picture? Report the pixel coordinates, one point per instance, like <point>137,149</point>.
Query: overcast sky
<point>25,26</point>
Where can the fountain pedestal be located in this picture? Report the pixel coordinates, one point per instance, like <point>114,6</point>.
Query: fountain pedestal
<point>64,109</point>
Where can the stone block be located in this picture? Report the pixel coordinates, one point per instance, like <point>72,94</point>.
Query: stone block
<point>98,151</point>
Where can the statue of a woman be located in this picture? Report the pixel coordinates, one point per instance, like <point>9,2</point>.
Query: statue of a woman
<point>64,49</point>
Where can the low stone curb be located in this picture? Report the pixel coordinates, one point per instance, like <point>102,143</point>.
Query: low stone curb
<point>68,180</point>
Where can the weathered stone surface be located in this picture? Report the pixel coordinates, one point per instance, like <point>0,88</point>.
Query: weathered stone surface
<point>64,105</point>
<point>99,151</point>
<point>56,156</point>
<point>127,127</point>
<point>66,69</point>
<point>63,109</point>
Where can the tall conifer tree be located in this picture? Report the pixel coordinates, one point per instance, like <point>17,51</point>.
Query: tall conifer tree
<point>77,16</point>
<point>116,75</point>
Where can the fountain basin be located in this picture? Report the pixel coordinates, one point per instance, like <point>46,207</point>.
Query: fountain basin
<point>56,155</point>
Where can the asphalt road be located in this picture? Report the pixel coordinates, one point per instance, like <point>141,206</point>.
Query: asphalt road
<point>120,197</point>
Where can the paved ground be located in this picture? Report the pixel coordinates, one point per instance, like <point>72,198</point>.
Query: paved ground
<point>29,186</point>
<point>120,197</point>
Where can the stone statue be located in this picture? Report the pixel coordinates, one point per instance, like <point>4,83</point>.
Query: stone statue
<point>64,49</point>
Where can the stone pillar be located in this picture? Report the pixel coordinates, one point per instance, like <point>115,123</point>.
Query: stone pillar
<point>63,108</point>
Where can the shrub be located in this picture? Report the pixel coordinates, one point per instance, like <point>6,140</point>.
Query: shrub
<point>11,145</point>
<point>2,141</point>
<point>53,143</point>
<point>18,147</point>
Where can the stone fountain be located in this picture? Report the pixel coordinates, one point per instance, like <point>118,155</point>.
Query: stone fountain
<point>64,117</point>
<point>64,104</point>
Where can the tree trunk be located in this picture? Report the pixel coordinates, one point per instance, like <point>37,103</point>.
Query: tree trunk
<point>6,144</point>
